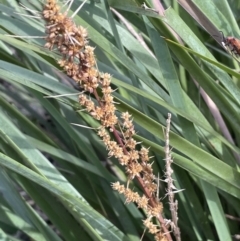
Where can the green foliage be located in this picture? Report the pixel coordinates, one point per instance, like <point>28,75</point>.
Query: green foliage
<point>65,168</point>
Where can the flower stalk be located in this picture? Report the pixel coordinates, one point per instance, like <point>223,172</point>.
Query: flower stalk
<point>171,189</point>
<point>78,61</point>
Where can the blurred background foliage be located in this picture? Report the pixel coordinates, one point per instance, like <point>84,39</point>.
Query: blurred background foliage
<point>55,177</point>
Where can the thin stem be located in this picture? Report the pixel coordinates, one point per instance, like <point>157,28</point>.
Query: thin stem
<point>78,9</point>
<point>132,31</point>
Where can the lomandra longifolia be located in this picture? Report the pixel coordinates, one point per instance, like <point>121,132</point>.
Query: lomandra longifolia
<point>79,63</point>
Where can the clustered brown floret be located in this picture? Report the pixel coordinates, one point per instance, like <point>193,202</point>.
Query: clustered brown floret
<point>79,63</point>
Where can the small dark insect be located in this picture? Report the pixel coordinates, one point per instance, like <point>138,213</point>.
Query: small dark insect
<point>232,43</point>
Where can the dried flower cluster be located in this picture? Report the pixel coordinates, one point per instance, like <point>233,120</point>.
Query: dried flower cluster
<point>171,189</point>
<point>79,63</point>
